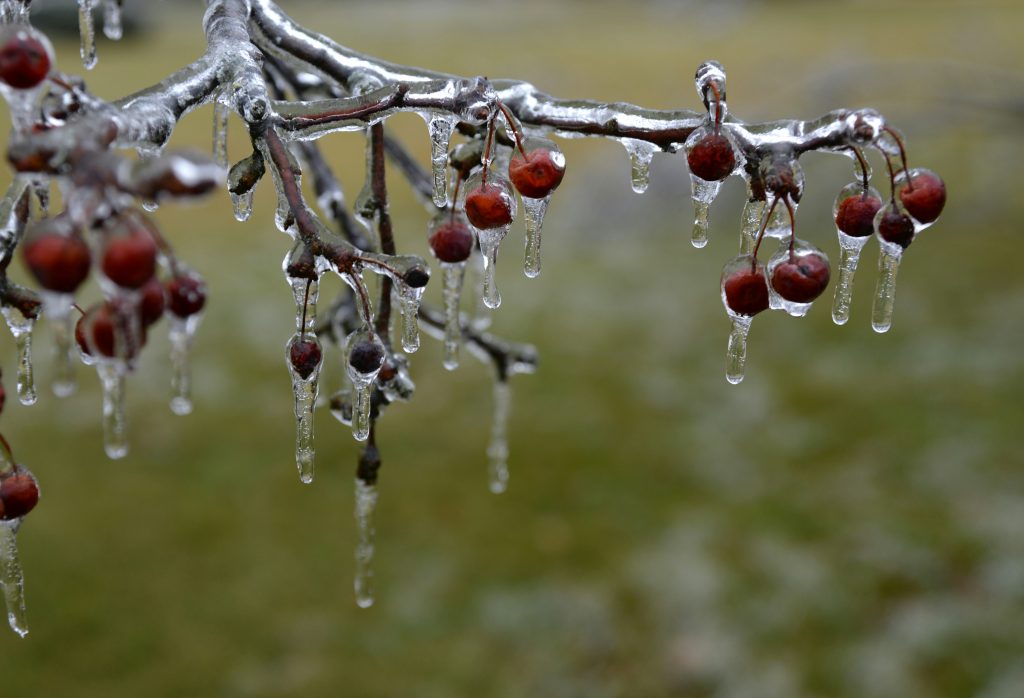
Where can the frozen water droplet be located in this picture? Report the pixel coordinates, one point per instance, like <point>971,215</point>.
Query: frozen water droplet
<point>87,32</point>
<point>182,331</point>
<point>533,214</point>
<point>497,450</point>
<point>305,391</point>
<point>736,351</point>
<point>12,578</point>
<point>440,127</point>
<point>242,204</point>
<point>849,256</point>
<point>221,112</point>
<point>454,274</point>
<point>366,506</point>
<point>57,309</point>
<point>115,423</point>
<point>640,155</point>
<point>112,28</point>
<point>22,327</point>
<point>704,193</point>
<point>885,289</point>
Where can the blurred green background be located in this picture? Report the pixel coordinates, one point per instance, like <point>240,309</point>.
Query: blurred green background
<point>849,521</point>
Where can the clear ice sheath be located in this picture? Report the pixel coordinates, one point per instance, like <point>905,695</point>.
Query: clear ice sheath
<point>12,578</point>
<point>242,205</point>
<point>885,289</point>
<point>221,112</point>
<point>497,449</point>
<point>736,352</point>
<point>410,304</point>
<point>366,505</point>
<point>361,413</point>
<point>112,28</point>
<point>87,31</point>
<point>115,423</point>
<point>454,274</point>
<point>490,293</point>
<point>182,331</point>
<point>305,391</point>
<point>533,210</point>
<point>849,257</point>
<point>440,128</point>
<point>699,238</point>
<point>750,225</point>
<point>640,155</point>
<point>26,378</point>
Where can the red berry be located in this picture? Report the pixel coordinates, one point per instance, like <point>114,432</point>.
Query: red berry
<point>746,291</point>
<point>305,356</point>
<point>129,260</point>
<point>94,333</point>
<point>452,241</point>
<point>24,57</point>
<point>488,206</point>
<point>366,356</point>
<point>924,195</point>
<point>59,262</point>
<point>538,174</point>
<point>801,279</point>
<point>856,214</point>
<point>186,295</point>
<point>19,494</point>
<point>152,302</point>
<point>712,158</point>
<point>896,227</point>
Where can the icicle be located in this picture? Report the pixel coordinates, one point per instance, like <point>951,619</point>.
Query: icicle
<point>87,32</point>
<point>885,290</point>
<point>182,331</point>
<point>849,256</point>
<point>22,327</point>
<point>704,193</point>
<point>57,308</point>
<point>366,505</point>
<point>440,127</point>
<point>497,450</point>
<point>409,298</point>
<point>115,424</point>
<point>221,112</point>
<point>640,155</point>
<point>305,390</point>
<point>242,205</point>
<point>12,577</point>
<point>736,352</point>
<point>454,274</point>
<point>750,224</point>
<point>367,352</point>
<point>482,313</point>
<point>533,213</point>
<point>490,240</point>
<point>112,19</point>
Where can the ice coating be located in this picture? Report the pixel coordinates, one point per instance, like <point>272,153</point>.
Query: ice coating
<point>221,113</point>
<point>365,508</point>
<point>454,274</point>
<point>362,381</point>
<point>242,205</point>
<point>640,155</point>
<point>305,389</point>
<point>440,127</point>
<point>490,239</point>
<point>22,328</point>
<point>12,578</point>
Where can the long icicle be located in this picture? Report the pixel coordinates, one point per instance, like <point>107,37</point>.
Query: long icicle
<point>366,506</point>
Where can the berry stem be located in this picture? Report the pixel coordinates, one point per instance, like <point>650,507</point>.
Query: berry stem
<point>760,234</point>
<point>892,180</point>
<point>513,124</point>
<point>455,195</point>
<point>305,305</point>
<point>9,456</point>
<point>718,107</point>
<point>863,169</point>
<point>487,150</point>
<point>792,226</point>
<point>903,154</point>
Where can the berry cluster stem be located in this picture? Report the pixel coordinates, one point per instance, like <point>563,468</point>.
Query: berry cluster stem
<point>764,226</point>
<point>718,107</point>
<point>514,125</point>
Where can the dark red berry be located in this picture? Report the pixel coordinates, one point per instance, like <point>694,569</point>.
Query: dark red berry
<point>366,357</point>
<point>19,494</point>
<point>129,260</point>
<point>24,58</point>
<point>746,292</point>
<point>896,227</point>
<point>856,214</point>
<point>452,242</point>
<point>417,277</point>
<point>305,356</point>
<point>186,295</point>
<point>924,196</point>
<point>801,279</point>
<point>95,334</point>
<point>488,206</point>
<point>538,174</point>
<point>60,263</point>
<point>712,158</point>
<point>152,302</point>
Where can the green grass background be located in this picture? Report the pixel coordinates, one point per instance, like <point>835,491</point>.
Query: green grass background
<point>847,522</point>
